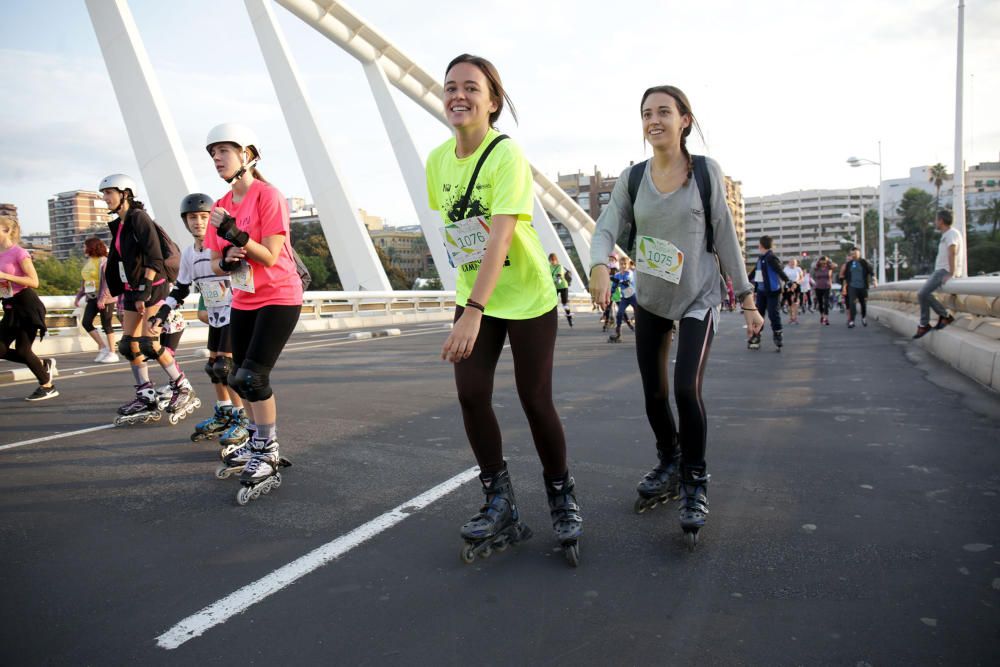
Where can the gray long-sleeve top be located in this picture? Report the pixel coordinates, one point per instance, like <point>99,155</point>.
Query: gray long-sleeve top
<point>676,217</point>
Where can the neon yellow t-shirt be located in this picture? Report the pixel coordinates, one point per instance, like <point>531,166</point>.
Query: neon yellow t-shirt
<point>91,273</point>
<point>504,187</point>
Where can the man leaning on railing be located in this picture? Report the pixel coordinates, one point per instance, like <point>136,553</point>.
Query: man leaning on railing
<point>947,266</point>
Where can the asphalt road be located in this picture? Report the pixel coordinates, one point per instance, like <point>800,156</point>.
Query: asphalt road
<point>854,520</point>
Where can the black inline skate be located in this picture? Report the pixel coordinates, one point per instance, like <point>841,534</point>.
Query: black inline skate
<point>498,524</point>
<point>753,343</point>
<point>143,408</point>
<point>260,472</point>
<point>183,400</point>
<point>566,519</point>
<point>778,342</point>
<point>217,424</point>
<point>661,484</point>
<point>694,503</point>
<point>616,337</point>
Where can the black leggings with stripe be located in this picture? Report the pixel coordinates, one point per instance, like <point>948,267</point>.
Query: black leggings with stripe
<point>652,347</point>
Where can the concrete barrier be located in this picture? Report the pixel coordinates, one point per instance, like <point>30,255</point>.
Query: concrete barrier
<point>971,344</point>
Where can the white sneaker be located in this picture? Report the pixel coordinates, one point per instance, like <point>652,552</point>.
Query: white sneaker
<point>109,358</point>
<point>102,355</point>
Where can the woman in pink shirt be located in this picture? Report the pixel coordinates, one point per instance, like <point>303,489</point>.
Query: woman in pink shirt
<point>23,311</point>
<point>249,239</point>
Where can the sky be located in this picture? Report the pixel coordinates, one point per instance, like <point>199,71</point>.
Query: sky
<point>785,91</point>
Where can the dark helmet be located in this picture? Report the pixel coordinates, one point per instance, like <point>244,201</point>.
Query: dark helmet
<point>196,203</point>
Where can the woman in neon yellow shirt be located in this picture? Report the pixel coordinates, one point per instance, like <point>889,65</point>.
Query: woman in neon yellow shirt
<point>482,185</point>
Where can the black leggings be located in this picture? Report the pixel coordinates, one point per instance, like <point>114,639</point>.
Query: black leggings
<point>90,311</point>
<point>823,300</point>
<point>219,340</point>
<point>652,348</point>
<point>259,336</point>
<point>20,352</point>
<point>532,344</point>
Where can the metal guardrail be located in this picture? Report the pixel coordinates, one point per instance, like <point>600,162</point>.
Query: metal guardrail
<point>62,317</point>
<point>979,296</point>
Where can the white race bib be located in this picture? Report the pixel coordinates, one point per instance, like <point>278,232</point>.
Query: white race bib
<point>90,287</point>
<point>121,273</point>
<point>757,277</point>
<point>6,289</point>
<point>215,294</point>
<point>656,257</point>
<point>241,278</point>
<point>466,240</point>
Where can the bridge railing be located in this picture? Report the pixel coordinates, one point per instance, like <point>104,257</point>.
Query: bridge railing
<point>63,314</point>
<point>972,343</point>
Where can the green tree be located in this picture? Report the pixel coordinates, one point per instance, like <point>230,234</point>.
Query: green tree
<point>433,284</point>
<point>59,277</point>
<point>938,174</point>
<point>397,279</point>
<point>984,253</point>
<point>991,216</point>
<point>917,210</point>
<point>318,270</point>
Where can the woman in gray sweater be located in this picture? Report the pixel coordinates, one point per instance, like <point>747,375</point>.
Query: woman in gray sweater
<point>678,260</point>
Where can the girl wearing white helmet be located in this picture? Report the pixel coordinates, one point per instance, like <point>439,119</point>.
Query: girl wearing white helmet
<point>135,269</point>
<point>249,236</point>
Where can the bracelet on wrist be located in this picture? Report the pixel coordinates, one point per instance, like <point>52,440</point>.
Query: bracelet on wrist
<point>469,303</point>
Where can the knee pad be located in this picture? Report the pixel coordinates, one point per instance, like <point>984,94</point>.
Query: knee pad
<point>125,348</point>
<point>147,349</point>
<point>222,367</point>
<point>210,371</point>
<point>252,381</point>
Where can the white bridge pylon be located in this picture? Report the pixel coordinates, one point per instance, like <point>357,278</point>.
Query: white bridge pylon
<point>341,25</point>
<point>167,174</point>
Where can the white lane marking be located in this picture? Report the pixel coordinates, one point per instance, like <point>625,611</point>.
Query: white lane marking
<point>241,600</point>
<point>56,436</point>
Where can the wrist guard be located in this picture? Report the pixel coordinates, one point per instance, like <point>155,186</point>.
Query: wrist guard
<point>229,231</point>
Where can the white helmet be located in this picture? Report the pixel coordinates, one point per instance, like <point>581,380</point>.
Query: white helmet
<point>117,181</point>
<point>242,136</point>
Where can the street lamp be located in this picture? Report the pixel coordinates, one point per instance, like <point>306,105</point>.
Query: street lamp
<point>848,217</point>
<point>858,162</point>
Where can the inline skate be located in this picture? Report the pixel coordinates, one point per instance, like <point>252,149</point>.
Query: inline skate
<point>498,523</point>
<point>183,400</point>
<point>661,484</point>
<point>566,519</point>
<point>143,408</point>
<point>616,337</point>
<point>234,456</point>
<point>753,343</point>
<point>694,503</point>
<point>778,341</point>
<point>237,433</point>
<point>217,424</point>
<point>260,474</point>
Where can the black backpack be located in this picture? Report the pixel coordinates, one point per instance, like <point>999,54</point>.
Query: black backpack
<point>701,177</point>
<point>568,277</point>
<point>171,253</point>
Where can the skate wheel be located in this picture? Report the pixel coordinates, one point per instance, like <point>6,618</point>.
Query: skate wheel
<point>691,538</point>
<point>197,404</point>
<point>467,554</point>
<point>486,552</point>
<point>572,552</point>
<point>640,506</point>
<point>173,419</point>
<point>277,480</point>
<point>155,417</point>
<point>222,472</point>
<point>197,437</point>
<point>244,495</point>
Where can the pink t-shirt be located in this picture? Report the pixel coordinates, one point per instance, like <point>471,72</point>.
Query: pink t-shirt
<point>10,262</point>
<point>262,212</point>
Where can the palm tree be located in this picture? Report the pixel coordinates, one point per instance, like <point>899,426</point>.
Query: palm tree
<point>991,215</point>
<point>938,175</point>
